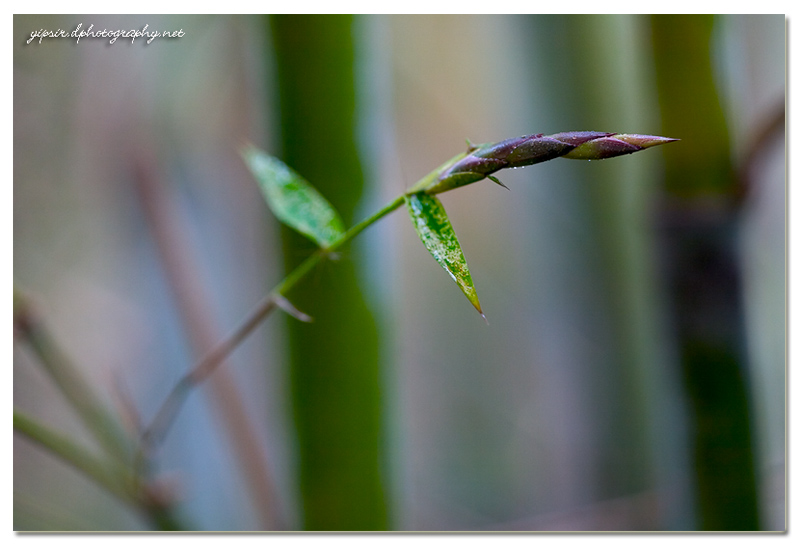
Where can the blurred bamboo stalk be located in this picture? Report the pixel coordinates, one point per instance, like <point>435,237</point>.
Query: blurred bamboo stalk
<point>334,368</point>
<point>202,333</point>
<point>30,512</point>
<point>100,422</point>
<point>771,127</point>
<point>699,220</point>
<point>611,94</point>
<point>590,63</point>
<point>111,475</point>
<point>118,480</point>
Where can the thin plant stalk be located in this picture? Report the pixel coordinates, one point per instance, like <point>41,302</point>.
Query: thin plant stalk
<point>200,330</point>
<point>112,476</point>
<point>114,481</point>
<point>166,414</point>
<point>70,381</point>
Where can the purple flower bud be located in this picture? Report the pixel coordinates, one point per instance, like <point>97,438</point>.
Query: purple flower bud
<point>481,161</point>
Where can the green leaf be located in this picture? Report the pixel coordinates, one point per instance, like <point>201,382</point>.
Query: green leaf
<point>434,229</point>
<point>293,200</point>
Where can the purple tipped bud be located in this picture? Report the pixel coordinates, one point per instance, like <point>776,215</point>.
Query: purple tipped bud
<point>489,158</point>
<point>481,161</point>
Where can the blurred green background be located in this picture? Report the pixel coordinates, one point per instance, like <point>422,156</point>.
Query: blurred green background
<point>632,376</point>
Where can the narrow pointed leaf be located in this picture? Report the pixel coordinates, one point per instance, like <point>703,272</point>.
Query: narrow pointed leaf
<point>434,229</point>
<point>293,200</point>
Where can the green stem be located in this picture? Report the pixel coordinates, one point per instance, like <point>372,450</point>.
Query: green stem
<point>112,477</point>
<point>31,515</point>
<point>308,265</point>
<point>75,455</point>
<point>69,380</point>
<point>166,414</point>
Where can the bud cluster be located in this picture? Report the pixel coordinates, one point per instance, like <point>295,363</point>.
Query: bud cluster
<point>480,162</point>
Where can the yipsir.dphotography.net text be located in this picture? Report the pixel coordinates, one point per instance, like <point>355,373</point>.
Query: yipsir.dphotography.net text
<point>111,35</point>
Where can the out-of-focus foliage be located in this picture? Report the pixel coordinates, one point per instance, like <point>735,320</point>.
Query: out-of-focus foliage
<point>698,220</point>
<point>567,412</point>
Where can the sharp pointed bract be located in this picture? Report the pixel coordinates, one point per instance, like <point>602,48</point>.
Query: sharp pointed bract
<point>284,304</point>
<point>498,182</point>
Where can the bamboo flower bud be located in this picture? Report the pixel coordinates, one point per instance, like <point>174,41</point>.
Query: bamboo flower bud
<point>480,162</point>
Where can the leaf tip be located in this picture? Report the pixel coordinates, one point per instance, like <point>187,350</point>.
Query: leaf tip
<point>473,298</point>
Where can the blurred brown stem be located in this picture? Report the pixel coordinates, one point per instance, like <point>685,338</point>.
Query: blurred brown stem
<point>771,126</point>
<point>191,301</point>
